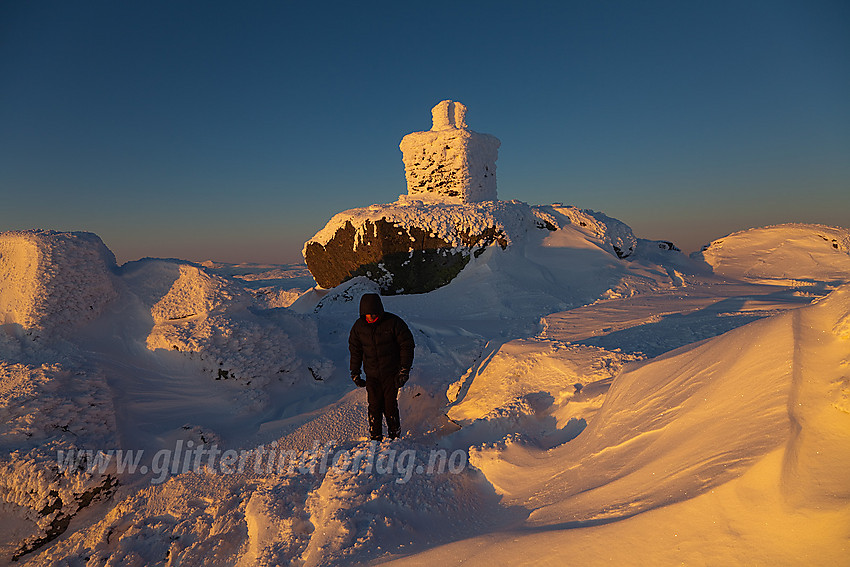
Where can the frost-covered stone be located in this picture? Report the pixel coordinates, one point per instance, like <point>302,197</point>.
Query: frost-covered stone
<point>411,247</point>
<point>415,247</point>
<point>450,162</point>
<point>612,233</point>
<point>51,282</point>
<point>206,318</point>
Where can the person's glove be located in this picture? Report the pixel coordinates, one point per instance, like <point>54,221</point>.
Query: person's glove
<point>402,377</point>
<point>361,383</point>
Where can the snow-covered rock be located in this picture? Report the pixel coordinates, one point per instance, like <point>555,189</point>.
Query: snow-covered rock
<point>207,318</point>
<point>609,231</point>
<point>414,247</point>
<point>450,163</point>
<point>411,246</point>
<point>46,411</point>
<point>53,282</point>
<point>778,254</point>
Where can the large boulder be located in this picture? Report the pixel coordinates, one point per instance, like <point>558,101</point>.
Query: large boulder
<point>411,246</point>
<point>415,247</point>
<point>53,282</point>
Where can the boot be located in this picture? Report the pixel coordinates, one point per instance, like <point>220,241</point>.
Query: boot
<point>393,425</point>
<point>376,427</point>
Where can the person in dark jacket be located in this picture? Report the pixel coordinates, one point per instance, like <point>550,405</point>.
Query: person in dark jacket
<point>382,343</point>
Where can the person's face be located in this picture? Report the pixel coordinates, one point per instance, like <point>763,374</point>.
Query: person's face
<point>370,318</point>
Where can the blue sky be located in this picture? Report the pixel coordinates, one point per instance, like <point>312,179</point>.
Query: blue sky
<point>234,130</point>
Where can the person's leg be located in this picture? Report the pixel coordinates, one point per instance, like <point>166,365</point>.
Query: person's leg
<point>391,409</point>
<point>375,395</point>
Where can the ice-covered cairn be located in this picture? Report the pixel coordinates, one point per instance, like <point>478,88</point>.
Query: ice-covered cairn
<point>449,215</point>
<point>450,162</point>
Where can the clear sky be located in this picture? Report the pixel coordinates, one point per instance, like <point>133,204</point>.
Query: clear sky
<point>233,130</point>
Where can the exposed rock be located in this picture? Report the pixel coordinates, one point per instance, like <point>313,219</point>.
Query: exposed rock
<point>401,259</point>
<point>667,245</point>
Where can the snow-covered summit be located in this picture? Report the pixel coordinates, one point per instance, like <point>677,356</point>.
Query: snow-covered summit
<point>808,252</point>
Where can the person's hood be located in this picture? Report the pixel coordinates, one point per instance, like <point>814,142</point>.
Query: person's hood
<point>370,303</point>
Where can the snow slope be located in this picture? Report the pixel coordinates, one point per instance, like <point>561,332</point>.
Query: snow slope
<point>532,372</point>
<point>813,253</point>
<point>744,459</point>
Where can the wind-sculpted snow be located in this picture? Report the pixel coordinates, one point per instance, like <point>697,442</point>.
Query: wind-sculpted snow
<point>46,410</point>
<point>801,252</point>
<point>531,387</point>
<point>612,232</point>
<point>207,318</point>
<point>676,426</point>
<point>53,282</point>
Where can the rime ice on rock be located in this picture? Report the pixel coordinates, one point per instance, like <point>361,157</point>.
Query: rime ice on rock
<point>450,163</point>
<point>51,282</point>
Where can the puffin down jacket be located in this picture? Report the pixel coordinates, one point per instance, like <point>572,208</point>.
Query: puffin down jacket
<point>383,347</point>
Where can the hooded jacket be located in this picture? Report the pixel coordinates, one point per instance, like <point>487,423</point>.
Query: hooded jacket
<point>383,347</point>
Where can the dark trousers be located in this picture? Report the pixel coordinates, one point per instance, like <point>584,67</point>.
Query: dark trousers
<point>383,403</point>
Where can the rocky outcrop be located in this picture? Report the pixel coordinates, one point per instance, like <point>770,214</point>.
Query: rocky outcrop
<point>450,215</point>
<point>611,234</point>
<point>401,259</point>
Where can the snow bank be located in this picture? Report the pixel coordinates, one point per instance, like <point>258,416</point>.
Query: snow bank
<point>613,233</point>
<point>540,387</point>
<point>805,252</point>
<point>207,318</point>
<point>679,425</point>
<point>196,293</point>
<point>52,282</point>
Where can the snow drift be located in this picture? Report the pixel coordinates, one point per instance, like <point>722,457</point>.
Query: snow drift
<point>806,252</point>
<point>674,427</point>
<point>727,450</point>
